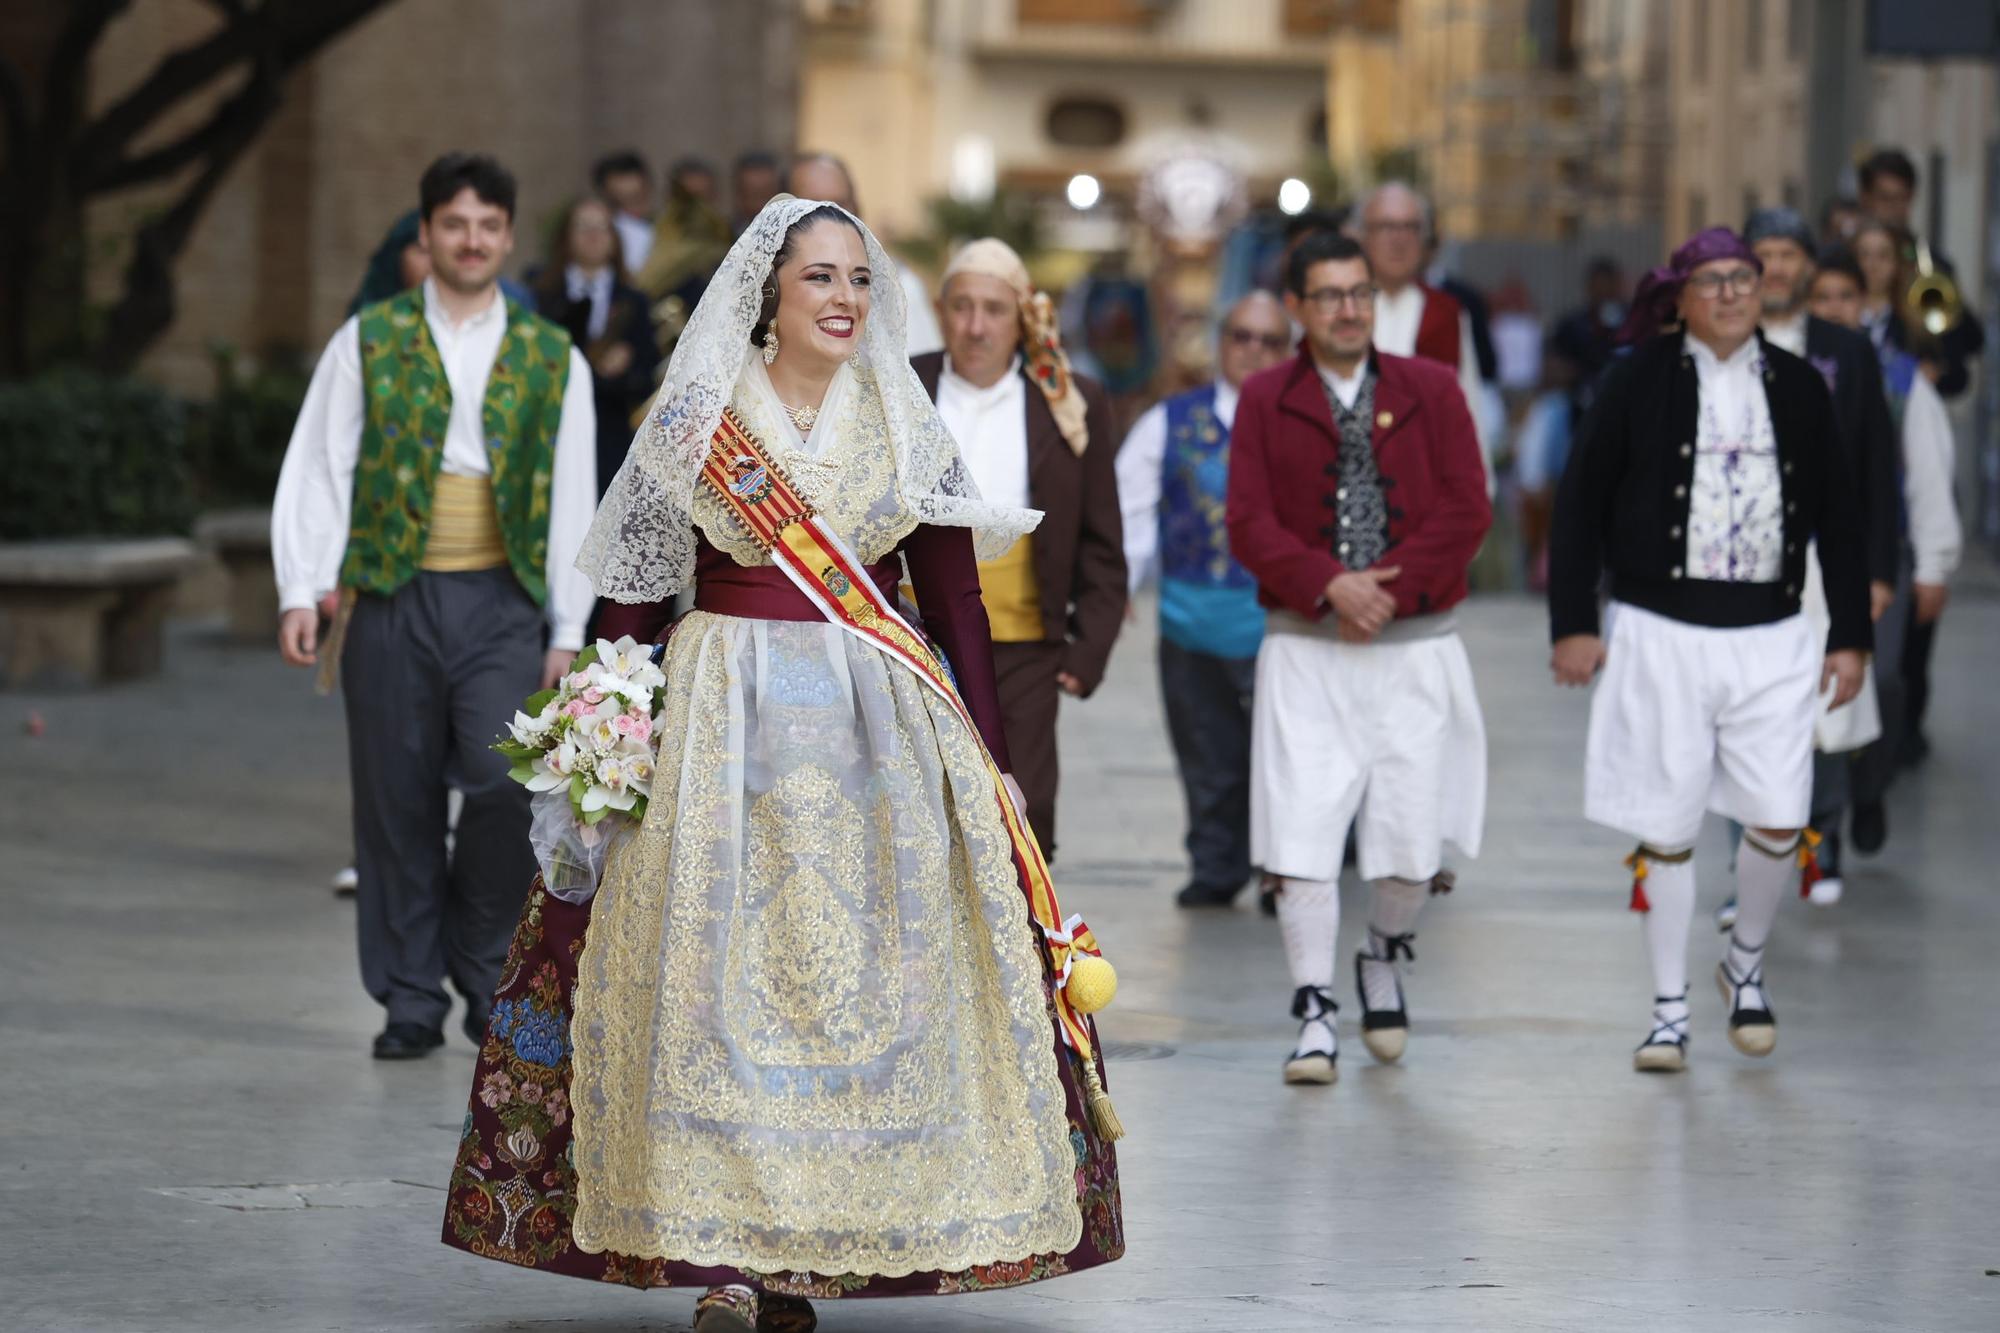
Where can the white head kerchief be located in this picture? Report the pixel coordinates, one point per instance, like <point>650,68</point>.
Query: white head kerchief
<point>640,547</point>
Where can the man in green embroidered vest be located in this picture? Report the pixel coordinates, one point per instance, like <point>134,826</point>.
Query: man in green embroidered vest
<point>433,499</point>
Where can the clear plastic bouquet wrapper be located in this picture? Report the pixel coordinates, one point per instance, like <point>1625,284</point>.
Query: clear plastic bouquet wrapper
<point>585,749</point>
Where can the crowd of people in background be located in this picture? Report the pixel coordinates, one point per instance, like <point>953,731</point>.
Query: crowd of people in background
<point>626,264</point>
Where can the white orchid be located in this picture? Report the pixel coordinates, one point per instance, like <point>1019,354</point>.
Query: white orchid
<point>630,661</point>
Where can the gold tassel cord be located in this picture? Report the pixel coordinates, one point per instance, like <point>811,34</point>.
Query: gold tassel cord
<point>331,645</point>
<point>1102,1114</point>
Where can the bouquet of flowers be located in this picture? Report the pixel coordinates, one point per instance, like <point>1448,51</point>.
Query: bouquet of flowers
<point>585,749</point>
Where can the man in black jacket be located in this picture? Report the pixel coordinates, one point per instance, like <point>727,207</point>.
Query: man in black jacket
<point>1783,242</point>
<point>1695,485</point>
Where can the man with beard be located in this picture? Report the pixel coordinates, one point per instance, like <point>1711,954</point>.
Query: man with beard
<point>441,477</point>
<point>1357,499</point>
<point>1782,240</point>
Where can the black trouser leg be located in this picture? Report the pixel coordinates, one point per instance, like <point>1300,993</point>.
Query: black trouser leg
<point>1208,720</point>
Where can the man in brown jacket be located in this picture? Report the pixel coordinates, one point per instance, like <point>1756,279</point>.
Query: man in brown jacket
<point>1036,436</point>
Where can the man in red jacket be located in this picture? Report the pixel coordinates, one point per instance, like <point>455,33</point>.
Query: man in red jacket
<point>1357,498</point>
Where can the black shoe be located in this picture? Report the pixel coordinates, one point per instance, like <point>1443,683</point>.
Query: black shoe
<point>1870,828</point>
<point>1197,894</point>
<point>475,1025</point>
<point>407,1041</point>
<point>1267,895</point>
<point>1385,1028</point>
<point>1916,748</point>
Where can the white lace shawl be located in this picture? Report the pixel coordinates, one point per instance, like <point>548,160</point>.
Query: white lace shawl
<point>640,547</point>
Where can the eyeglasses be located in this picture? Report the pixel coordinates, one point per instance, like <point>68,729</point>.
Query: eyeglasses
<point>1270,342</point>
<point>1708,286</point>
<point>1333,298</point>
<point>1394,227</point>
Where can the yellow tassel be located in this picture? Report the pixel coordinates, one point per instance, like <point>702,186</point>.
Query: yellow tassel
<point>1092,983</point>
<point>1102,1115</point>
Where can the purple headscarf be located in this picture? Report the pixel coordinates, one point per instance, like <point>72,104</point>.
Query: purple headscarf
<point>1655,302</point>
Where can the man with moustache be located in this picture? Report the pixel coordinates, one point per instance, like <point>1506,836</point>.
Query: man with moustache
<point>1357,499</point>
<point>1173,489</point>
<point>1697,485</point>
<point>440,478</point>
<point>1034,436</point>
<point>1782,240</point>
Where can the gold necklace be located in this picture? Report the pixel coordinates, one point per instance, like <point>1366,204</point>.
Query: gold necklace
<point>802,417</point>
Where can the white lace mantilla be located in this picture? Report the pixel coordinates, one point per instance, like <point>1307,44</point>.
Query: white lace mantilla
<point>640,547</point>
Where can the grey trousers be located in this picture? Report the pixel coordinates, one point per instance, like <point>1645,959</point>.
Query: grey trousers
<point>431,676</point>
<point>1208,720</point>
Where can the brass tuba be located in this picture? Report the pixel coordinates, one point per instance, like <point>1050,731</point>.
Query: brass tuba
<point>1932,306</point>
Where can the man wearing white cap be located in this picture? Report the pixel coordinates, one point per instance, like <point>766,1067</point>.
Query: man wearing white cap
<point>1036,436</point>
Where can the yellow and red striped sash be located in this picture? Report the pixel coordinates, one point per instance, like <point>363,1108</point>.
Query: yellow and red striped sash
<point>834,579</point>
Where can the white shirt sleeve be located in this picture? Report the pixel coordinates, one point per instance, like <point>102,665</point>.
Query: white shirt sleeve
<point>1140,459</point>
<point>1927,469</point>
<point>312,510</point>
<point>1476,402</point>
<point>572,502</point>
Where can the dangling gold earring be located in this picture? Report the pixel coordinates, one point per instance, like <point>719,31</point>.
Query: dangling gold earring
<point>770,344</point>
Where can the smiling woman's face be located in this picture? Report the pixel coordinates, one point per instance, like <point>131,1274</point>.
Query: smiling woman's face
<point>823,298</point>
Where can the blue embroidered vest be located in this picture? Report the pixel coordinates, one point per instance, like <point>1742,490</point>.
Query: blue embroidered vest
<point>1208,602</point>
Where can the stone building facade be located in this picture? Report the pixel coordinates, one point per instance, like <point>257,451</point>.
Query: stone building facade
<point>546,87</point>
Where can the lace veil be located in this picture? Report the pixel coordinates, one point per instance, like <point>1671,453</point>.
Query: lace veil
<point>640,547</point>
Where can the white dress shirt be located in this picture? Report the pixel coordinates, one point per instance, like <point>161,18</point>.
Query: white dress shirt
<point>1141,466</point>
<point>1346,388</point>
<point>1736,519</point>
<point>635,238</point>
<point>991,427</point>
<point>1935,534</point>
<point>1787,335</point>
<point>312,511</point>
<point>595,288</point>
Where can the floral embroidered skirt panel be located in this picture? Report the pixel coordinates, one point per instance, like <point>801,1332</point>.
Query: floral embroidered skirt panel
<point>802,1038</point>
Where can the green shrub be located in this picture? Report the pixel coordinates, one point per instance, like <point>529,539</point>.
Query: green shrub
<point>90,455</point>
<point>237,439</point>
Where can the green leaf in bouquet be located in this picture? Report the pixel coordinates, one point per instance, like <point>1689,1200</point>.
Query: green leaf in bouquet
<point>638,810</point>
<point>513,749</point>
<point>537,701</point>
<point>522,773</point>
<point>595,815</point>
<point>586,658</point>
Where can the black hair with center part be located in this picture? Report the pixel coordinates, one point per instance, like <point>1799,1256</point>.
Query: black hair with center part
<point>478,172</point>
<point>1320,247</point>
<point>769,312</point>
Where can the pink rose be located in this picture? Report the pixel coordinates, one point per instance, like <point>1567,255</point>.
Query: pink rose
<point>622,724</point>
<point>576,708</point>
<point>642,726</point>
<point>593,695</point>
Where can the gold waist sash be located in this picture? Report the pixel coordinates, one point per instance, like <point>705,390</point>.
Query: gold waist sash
<point>1013,598</point>
<point>465,527</point>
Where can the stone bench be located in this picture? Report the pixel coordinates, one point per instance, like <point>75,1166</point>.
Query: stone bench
<point>241,540</point>
<point>86,610</point>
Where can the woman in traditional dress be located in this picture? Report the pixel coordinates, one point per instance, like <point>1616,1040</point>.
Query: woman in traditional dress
<point>811,1044</point>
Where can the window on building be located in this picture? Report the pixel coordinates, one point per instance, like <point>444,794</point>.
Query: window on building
<point>1085,122</point>
<point>1753,33</point>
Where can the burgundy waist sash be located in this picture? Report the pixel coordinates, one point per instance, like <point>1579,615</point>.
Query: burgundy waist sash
<point>763,592</point>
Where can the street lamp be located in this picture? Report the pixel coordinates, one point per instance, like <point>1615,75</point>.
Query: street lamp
<point>1083,191</point>
<point>1294,196</point>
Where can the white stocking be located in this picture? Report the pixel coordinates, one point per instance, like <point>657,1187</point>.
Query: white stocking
<point>1670,892</point>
